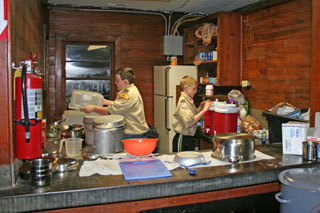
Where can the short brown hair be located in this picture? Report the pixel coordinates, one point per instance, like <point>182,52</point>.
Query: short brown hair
<point>126,73</point>
<point>188,80</point>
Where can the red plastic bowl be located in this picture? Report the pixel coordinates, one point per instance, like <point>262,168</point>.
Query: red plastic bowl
<point>140,146</point>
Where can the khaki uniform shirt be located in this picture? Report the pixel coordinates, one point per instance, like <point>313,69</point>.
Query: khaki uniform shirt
<point>183,117</point>
<point>129,104</point>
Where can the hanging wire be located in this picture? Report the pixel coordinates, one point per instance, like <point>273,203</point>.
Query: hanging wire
<point>180,22</point>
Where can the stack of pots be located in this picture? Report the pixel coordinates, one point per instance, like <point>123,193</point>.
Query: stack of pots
<point>40,172</point>
<point>108,134</point>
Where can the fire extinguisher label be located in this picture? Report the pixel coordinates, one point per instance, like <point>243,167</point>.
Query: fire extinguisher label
<point>34,98</point>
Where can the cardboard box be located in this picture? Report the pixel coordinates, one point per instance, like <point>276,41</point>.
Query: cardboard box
<point>293,134</point>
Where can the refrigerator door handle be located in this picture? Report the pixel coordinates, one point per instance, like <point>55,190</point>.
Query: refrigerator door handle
<point>166,98</point>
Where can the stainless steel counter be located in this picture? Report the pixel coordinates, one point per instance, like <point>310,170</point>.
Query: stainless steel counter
<point>70,190</point>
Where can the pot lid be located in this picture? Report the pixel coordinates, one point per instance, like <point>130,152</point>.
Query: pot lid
<point>232,136</point>
<point>104,126</point>
<point>111,120</point>
<point>301,178</point>
<point>88,119</point>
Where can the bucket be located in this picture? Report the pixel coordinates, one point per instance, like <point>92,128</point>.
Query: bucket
<point>225,117</point>
<point>300,190</point>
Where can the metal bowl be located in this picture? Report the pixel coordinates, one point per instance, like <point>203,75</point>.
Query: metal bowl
<point>234,147</point>
<point>189,158</point>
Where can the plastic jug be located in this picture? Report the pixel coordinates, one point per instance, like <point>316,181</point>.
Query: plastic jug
<point>73,146</point>
<point>225,117</point>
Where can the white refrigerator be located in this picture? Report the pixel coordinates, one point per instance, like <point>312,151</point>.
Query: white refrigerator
<point>166,79</point>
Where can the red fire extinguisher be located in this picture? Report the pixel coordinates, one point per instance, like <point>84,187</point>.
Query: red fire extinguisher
<point>28,112</point>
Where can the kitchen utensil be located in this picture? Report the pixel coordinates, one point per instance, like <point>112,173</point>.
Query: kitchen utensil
<point>40,172</point>
<point>234,147</point>
<point>300,190</point>
<point>95,157</point>
<point>81,98</point>
<point>192,172</point>
<point>72,131</point>
<point>73,146</point>
<point>146,169</point>
<point>88,122</point>
<point>189,158</point>
<point>67,164</point>
<point>52,154</point>
<point>140,146</point>
<point>309,150</point>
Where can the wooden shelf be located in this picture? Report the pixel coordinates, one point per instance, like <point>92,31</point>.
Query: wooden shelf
<point>211,61</point>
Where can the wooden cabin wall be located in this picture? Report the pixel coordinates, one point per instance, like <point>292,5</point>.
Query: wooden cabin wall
<point>25,21</point>
<point>277,55</point>
<point>137,39</point>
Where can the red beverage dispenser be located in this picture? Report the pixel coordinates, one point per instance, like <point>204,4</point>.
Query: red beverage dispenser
<point>225,117</point>
<point>209,121</point>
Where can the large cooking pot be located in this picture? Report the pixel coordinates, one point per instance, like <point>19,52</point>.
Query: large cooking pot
<point>300,190</point>
<point>233,147</point>
<point>108,134</point>
<point>88,124</point>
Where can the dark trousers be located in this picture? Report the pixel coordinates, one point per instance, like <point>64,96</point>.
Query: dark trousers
<point>135,136</point>
<point>183,143</point>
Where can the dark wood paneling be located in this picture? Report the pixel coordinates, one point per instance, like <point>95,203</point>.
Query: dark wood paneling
<point>6,154</point>
<point>277,55</point>
<point>138,44</point>
<point>315,89</point>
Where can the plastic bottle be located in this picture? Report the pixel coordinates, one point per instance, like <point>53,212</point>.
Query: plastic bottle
<point>209,90</point>
<point>264,136</point>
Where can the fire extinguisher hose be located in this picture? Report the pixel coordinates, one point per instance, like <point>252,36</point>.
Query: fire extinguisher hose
<point>25,102</point>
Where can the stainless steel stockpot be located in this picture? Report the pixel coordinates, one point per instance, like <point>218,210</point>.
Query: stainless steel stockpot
<point>88,124</point>
<point>108,134</point>
<point>234,147</point>
<point>108,139</point>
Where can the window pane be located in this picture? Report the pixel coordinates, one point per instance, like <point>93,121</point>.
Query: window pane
<point>88,69</point>
<point>101,86</point>
<point>87,52</point>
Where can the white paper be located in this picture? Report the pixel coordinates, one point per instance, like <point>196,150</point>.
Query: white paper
<point>111,167</point>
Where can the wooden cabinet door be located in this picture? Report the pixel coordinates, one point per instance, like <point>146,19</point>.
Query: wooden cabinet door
<point>229,49</point>
<point>189,45</point>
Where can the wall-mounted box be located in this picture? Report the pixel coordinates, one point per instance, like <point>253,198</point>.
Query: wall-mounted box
<point>172,45</point>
